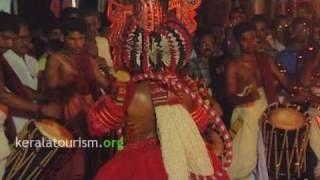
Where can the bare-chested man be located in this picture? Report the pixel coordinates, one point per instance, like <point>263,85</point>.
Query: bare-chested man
<point>72,80</point>
<point>307,91</point>
<point>250,88</point>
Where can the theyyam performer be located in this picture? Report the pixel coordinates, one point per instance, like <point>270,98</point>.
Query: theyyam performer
<point>162,113</point>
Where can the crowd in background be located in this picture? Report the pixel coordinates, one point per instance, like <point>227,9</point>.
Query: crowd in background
<point>214,45</point>
<point>287,40</point>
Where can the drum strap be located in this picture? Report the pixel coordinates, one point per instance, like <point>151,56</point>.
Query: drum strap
<point>235,127</point>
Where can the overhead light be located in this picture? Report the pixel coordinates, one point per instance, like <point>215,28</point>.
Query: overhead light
<point>74,3</point>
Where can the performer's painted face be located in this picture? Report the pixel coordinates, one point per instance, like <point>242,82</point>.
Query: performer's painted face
<point>248,42</point>
<point>74,41</point>
<point>22,43</point>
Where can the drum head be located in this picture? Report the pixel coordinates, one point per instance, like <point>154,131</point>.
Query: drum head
<point>287,118</point>
<point>53,130</point>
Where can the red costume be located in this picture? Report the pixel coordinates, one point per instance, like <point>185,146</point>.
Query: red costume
<point>162,133</point>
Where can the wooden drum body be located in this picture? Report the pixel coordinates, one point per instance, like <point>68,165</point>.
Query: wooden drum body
<point>34,161</point>
<point>285,132</point>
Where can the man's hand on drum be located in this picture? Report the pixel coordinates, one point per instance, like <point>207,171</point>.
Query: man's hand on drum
<point>52,110</point>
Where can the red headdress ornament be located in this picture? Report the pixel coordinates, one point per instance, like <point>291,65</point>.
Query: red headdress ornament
<point>146,39</point>
<point>149,16</point>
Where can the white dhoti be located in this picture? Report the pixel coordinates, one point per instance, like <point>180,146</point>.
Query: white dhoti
<point>314,136</point>
<point>245,151</point>
<point>4,147</point>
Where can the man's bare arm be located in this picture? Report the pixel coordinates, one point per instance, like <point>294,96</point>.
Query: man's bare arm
<point>52,72</point>
<point>100,78</point>
<point>16,102</point>
<point>12,101</point>
<point>280,76</point>
<point>35,95</point>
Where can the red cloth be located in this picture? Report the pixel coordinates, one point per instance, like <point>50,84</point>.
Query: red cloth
<point>267,78</point>
<point>104,116</point>
<point>87,84</point>
<point>138,161</point>
<point>143,161</point>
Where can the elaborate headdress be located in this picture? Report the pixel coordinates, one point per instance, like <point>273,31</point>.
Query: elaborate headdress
<point>153,45</point>
<point>149,34</point>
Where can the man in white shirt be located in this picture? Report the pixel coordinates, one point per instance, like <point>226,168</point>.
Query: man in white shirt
<point>24,65</point>
<point>18,84</point>
<point>7,34</point>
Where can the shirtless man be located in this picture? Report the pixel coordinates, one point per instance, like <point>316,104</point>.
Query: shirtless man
<point>246,86</point>
<point>307,90</point>
<point>72,80</point>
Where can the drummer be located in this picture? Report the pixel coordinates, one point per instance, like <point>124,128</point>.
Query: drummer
<point>307,91</point>
<point>16,91</point>
<point>73,80</point>
<point>250,85</point>
<point>6,40</point>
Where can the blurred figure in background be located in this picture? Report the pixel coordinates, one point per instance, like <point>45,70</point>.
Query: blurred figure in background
<point>265,40</point>
<point>97,45</point>
<point>8,31</point>
<point>210,67</point>
<point>298,50</point>
<point>281,29</point>
<point>316,34</point>
<point>236,16</point>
